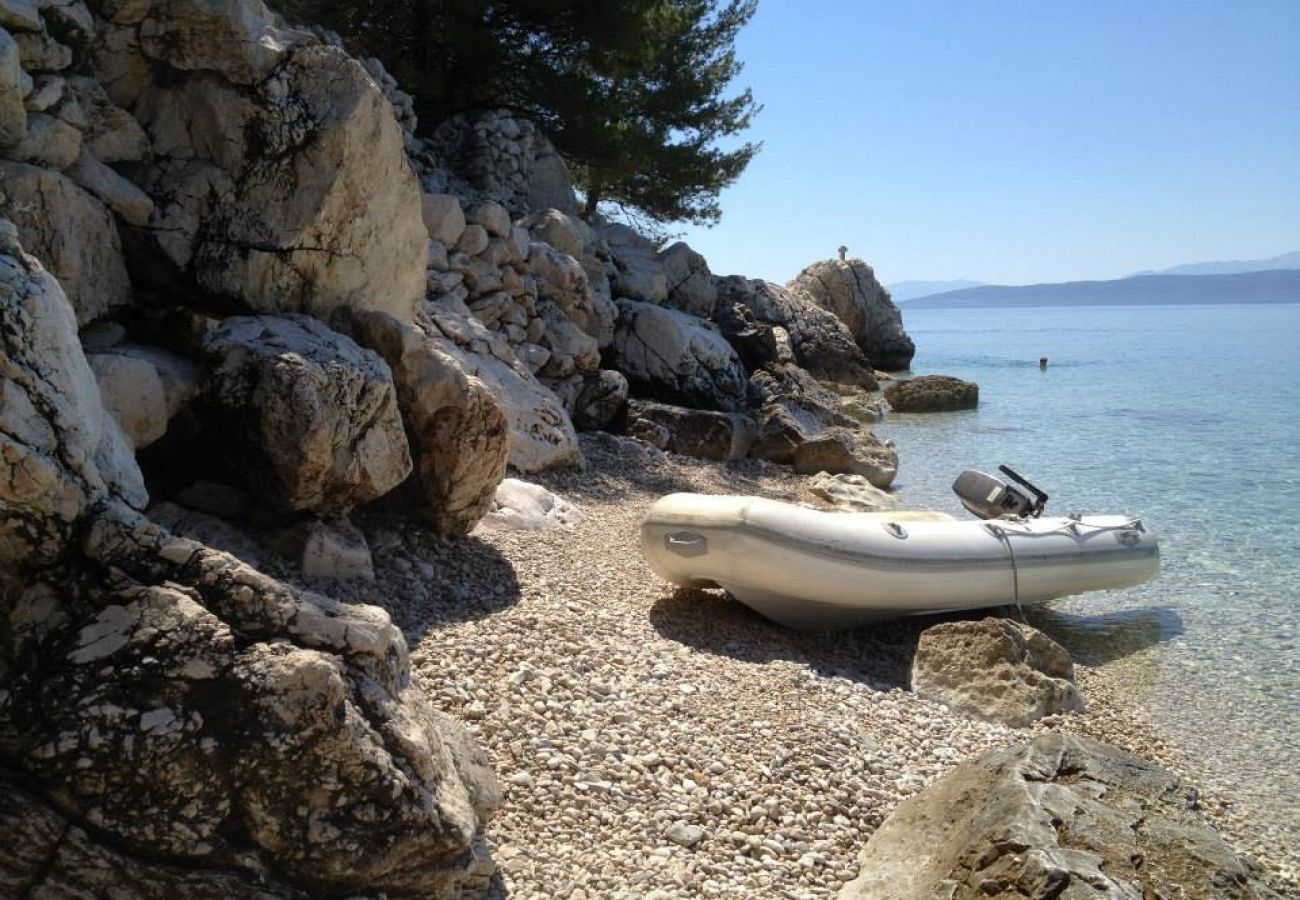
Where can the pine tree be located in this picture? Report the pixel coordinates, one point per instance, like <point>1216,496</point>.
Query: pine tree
<point>634,93</point>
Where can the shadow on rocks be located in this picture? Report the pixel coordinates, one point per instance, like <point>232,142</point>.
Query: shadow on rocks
<point>425,581</point>
<point>1094,640</point>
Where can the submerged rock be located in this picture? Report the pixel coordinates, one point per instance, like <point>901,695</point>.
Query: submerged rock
<point>932,393</point>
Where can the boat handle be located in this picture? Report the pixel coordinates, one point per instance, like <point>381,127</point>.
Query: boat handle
<point>896,530</point>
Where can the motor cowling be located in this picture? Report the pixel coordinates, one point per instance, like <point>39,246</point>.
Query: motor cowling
<point>992,498</point>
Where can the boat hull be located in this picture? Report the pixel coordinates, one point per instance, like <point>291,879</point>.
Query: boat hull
<point>814,570</point>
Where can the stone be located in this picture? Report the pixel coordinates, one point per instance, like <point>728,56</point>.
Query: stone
<point>473,240</point>
<point>443,217</point>
<point>62,456</point>
<point>820,342</point>
<point>523,506</point>
<point>20,15</point>
<point>49,142</point>
<point>1062,816</point>
<point>47,91</point>
<point>312,417</point>
<point>112,133</point>
<point>932,393</point>
<point>600,400</point>
<point>550,186</point>
<point>849,290</point>
<point>704,434</point>
<point>690,283</point>
<point>851,493</point>
<point>996,670</point>
<point>541,433</point>
<point>671,356</point>
<point>237,39</point>
<point>458,432</point>
<point>638,273</point>
<point>684,834</point>
<point>336,550</point>
<point>207,529</point>
<point>121,196</point>
<point>41,53</point>
<point>562,280</point>
<point>493,217</point>
<point>228,686</point>
<point>72,233</point>
<point>133,394</point>
<point>313,207</point>
<point>862,408</point>
<point>13,113</point>
<point>841,450</point>
<point>102,335</point>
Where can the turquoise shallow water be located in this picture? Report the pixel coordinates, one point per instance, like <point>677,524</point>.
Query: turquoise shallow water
<point>1190,417</point>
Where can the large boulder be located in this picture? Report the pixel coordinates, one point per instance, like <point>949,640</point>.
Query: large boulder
<point>144,388</point>
<point>638,273</point>
<point>1063,816</point>
<point>541,433</point>
<point>932,393</point>
<point>71,232</point>
<point>13,114</point>
<point>821,343</point>
<point>995,669</point>
<point>848,288</point>
<point>701,433</point>
<point>690,283</point>
<point>176,705</point>
<point>846,451</point>
<point>312,417</point>
<point>671,356</point>
<point>62,456</point>
<point>291,193</point>
<point>458,432</point>
<point>851,493</point>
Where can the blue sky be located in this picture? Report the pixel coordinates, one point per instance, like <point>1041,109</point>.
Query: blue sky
<point>1015,142</point>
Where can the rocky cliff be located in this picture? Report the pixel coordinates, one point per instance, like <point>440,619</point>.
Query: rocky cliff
<point>238,291</point>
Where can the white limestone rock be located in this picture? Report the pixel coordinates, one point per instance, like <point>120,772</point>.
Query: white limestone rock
<point>851,493</point>
<point>71,232</point>
<point>669,355</point>
<point>336,550</point>
<point>523,506</point>
<point>49,142</point>
<point>690,283</point>
<point>121,196</point>
<point>312,415</point>
<point>443,218</point>
<point>13,113</point>
<point>638,273</point>
<point>61,453</point>
<point>133,393</point>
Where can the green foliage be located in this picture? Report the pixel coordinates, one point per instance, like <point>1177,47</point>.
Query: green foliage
<point>632,92</point>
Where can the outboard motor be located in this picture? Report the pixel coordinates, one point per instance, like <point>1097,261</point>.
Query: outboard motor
<point>992,498</point>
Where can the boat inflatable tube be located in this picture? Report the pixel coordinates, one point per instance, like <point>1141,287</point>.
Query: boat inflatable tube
<point>814,570</point>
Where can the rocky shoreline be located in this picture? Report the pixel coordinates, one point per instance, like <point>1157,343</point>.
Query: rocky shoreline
<point>272,622</point>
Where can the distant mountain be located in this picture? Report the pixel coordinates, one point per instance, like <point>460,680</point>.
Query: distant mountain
<point>1276,286</point>
<point>1230,266</point>
<point>907,290</point>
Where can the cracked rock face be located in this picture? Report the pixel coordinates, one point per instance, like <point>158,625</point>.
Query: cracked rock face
<point>995,669</point>
<point>821,343</point>
<point>311,207</point>
<point>314,416</point>
<point>848,288</point>
<point>61,455</point>
<point>1061,817</point>
<point>678,358</point>
<point>458,433</point>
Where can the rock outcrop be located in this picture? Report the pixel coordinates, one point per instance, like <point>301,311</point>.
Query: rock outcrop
<point>678,358</point>
<point>849,290</point>
<point>691,432</point>
<point>848,452</point>
<point>1063,816</point>
<point>995,669</point>
<point>932,393</point>
<point>851,493</point>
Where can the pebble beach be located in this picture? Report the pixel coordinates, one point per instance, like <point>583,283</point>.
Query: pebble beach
<point>660,742</point>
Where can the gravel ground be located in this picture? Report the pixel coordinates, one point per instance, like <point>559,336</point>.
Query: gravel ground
<point>658,742</point>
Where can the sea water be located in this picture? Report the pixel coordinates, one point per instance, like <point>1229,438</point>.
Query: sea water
<point>1190,417</point>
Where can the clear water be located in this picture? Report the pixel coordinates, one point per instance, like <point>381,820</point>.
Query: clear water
<point>1190,417</point>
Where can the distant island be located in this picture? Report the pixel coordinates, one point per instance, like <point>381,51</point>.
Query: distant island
<point>1226,267</point>
<point>1274,286</point>
<point>907,290</point>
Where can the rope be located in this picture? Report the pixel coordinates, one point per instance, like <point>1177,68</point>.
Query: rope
<point>1001,534</point>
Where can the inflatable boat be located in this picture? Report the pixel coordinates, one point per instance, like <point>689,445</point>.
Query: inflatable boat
<point>815,570</point>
